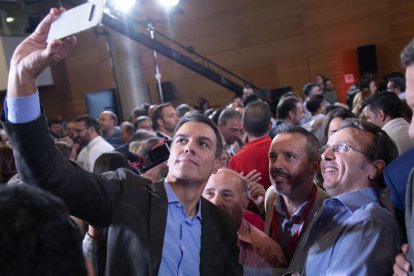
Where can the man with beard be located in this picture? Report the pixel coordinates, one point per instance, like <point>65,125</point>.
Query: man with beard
<point>293,199</point>
<point>87,136</point>
<point>164,120</point>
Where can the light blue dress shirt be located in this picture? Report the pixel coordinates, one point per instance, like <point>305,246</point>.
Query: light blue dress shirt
<point>354,235</point>
<point>182,240</point>
<point>22,109</point>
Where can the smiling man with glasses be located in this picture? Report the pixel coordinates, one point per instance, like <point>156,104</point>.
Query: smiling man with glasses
<point>354,234</point>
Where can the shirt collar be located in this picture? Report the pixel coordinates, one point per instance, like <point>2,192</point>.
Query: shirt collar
<point>244,232</point>
<point>280,208</point>
<point>354,200</point>
<point>172,198</point>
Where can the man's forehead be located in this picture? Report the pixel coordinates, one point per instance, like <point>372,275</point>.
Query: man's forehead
<point>353,136</point>
<point>191,127</point>
<point>224,181</point>
<point>294,138</point>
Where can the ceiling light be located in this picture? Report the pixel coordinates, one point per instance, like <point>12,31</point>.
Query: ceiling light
<point>10,19</point>
<point>169,3</point>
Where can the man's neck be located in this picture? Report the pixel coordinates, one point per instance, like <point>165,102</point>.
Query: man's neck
<point>165,132</point>
<point>252,138</point>
<point>188,193</point>
<point>293,203</point>
<point>108,132</point>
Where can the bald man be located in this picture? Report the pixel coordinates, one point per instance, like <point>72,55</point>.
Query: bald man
<point>228,190</point>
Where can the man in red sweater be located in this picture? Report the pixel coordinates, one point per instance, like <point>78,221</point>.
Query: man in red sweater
<point>254,154</point>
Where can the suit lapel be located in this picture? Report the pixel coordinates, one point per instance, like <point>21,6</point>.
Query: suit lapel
<point>157,222</point>
<point>207,241</point>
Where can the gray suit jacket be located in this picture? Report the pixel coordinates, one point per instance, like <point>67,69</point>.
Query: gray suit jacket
<point>132,208</point>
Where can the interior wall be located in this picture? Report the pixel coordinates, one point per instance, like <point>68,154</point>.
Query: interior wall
<point>270,43</point>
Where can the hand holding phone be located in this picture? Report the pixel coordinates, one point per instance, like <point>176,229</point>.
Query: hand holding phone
<point>78,19</point>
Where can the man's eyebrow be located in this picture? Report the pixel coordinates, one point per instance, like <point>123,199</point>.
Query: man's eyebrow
<point>204,138</point>
<point>210,189</point>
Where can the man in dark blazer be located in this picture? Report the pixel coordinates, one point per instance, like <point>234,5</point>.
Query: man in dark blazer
<point>141,216</point>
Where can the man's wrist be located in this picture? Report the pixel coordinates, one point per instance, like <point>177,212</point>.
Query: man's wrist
<point>21,83</point>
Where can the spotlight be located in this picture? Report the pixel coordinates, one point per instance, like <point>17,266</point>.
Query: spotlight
<point>10,19</point>
<point>123,5</point>
<point>169,3</point>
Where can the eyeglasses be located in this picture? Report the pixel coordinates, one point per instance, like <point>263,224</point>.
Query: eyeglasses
<point>340,147</point>
<point>77,130</point>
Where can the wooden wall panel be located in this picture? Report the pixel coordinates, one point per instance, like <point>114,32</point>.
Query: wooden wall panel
<point>270,43</point>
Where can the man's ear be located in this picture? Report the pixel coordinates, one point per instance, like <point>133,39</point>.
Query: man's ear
<point>381,115</point>
<point>160,122</point>
<point>291,115</point>
<point>377,169</point>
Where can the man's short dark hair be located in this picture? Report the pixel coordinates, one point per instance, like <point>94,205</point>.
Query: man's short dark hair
<point>139,111</point>
<point>36,236</point>
<point>307,88</point>
<point>407,55</point>
<point>89,122</point>
<point>227,114</point>
<point>314,103</point>
<point>182,109</point>
<point>388,102</point>
<point>256,118</point>
<point>128,126</point>
<point>51,122</point>
<point>157,114</point>
<point>285,106</point>
<point>398,82</point>
<point>381,148</point>
<point>312,143</point>
<point>199,118</point>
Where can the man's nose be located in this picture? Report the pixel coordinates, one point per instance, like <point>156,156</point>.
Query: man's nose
<point>190,146</point>
<point>216,200</point>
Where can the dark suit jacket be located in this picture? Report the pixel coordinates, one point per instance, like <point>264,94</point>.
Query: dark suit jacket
<point>132,208</point>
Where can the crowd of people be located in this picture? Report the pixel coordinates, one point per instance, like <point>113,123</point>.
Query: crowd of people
<point>305,187</point>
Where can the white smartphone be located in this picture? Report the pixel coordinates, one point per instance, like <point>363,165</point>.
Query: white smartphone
<point>78,19</point>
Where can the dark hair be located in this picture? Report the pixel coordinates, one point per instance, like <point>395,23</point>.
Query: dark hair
<point>140,119</point>
<point>215,115</point>
<point>312,143</point>
<point>398,82</point>
<point>139,111</point>
<point>157,114</point>
<point>7,165</point>
<point>256,118</point>
<point>227,114</point>
<point>388,102</point>
<point>110,161</point>
<point>365,80</point>
<point>307,88</point>
<point>129,127</point>
<point>285,106</point>
<point>407,55</point>
<point>36,236</point>
<point>314,103</point>
<point>182,109</point>
<point>51,122</point>
<point>381,148</point>
<point>326,80</point>
<point>250,98</point>
<point>199,118</point>
<point>89,122</point>
<point>338,112</point>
